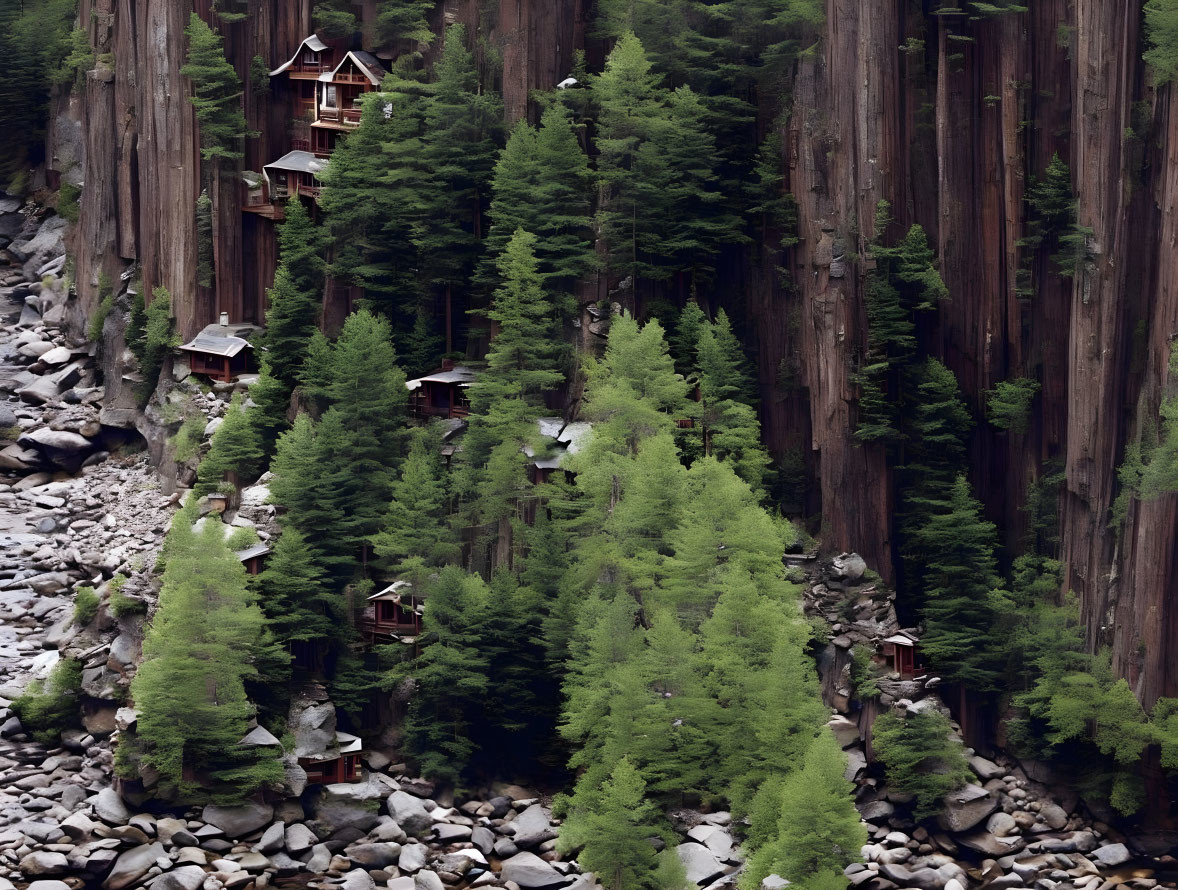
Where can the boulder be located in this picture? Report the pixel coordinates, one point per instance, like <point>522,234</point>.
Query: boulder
<point>448,833</point>
<point>58,355</point>
<point>44,862</point>
<point>333,812</point>
<point>700,863</point>
<point>61,447</point>
<point>272,839</point>
<point>133,864</point>
<point>846,732</point>
<point>774,882</point>
<point>402,883</point>
<point>1111,855</point>
<point>876,810</point>
<point>529,870</point>
<point>532,827</point>
<point>373,855</point>
<point>990,845</point>
<point>848,566</point>
<point>427,880</point>
<point>45,884</point>
<point>186,877</point>
<point>1002,825</point>
<point>483,839</point>
<point>39,391</point>
<point>1054,815</point>
<point>920,878</point>
<point>358,879</point>
<point>986,769</point>
<point>966,807</point>
<point>240,820</point>
<point>410,813</point>
<point>299,838</point>
<point>109,807</point>
<point>1072,842</point>
<point>413,858</point>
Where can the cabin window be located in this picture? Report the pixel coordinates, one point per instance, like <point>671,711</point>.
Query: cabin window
<point>310,57</point>
<point>329,96</point>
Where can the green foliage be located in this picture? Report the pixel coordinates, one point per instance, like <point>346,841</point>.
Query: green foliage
<point>186,442</point>
<point>617,837</point>
<point>863,673</point>
<point>216,93</point>
<point>199,651</point>
<point>300,606</point>
<point>67,201</point>
<point>259,78</point>
<point>49,706</point>
<point>119,604</point>
<point>38,45</point>
<point>101,312</point>
<point>1009,403</point>
<point>158,337</point>
<point>241,538</point>
<point>963,592</point>
<point>404,21</point>
<point>85,606</point>
<point>1161,33</point>
<point>334,18</point>
<point>235,454</point>
<point>204,239</point>
<point>77,62</point>
<point>1051,219</point>
<point>818,831</point>
<point>921,757</point>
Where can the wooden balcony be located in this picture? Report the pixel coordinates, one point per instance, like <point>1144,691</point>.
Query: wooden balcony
<point>351,77</point>
<point>310,70</point>
<point>344,117</point>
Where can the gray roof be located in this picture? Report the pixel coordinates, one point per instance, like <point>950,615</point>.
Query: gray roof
<point>251,552</point>
<point>571,435</point>
<point>298,162</point>
<point>368,64</point>
<point>461,375</point>
<point>312,43</point>
<point>214,340</point>
<point>259,737</point>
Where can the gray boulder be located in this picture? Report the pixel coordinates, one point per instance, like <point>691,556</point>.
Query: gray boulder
<point>44,862</point>
<point>532,827</point>
<point>1002,825</point>
<point>186,877</point>
<point>60,447</point>
<point>700,863</point>
<point>240,820</point>
<point>986,769</point>
<point>448,833</point>
<point>920,878</point>
<point>299,838</point>
<point>966,807</point>
<point>410,813</point>
<point>984,842</point>
<point>529,870</point>
<point>774,882</point>
<point>39,391</point>
<point>109,807</point>
<point>848,566</point>
<point>413,858</point>
<point>1054,815</point>
<point>1111,855</point>
<point>373,855</point>
<point>333,813</point>
<point>272,839</point>
<point>45,884</point>
<point>427,880</point>
<point>483,839</point>
<point>133,864</point>
<point>358,879</point>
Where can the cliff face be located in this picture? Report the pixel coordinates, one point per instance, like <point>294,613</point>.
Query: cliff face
<point>948,130</point>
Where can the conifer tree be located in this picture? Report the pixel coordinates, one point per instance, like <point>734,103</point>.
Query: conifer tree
<point>236,452</point>
<point>450,676</point>
<point>300,607</point>
<point>199,651</point>
<point>416,538</point>
<point>963,594</point>
<point>818,831</point>
<point>617,837</point>
<point>399,21</point>
<point>458,149</point>
<point>216,93</point>
<point>684,340</point>
<point>921,757</point>
<point>542,185</point>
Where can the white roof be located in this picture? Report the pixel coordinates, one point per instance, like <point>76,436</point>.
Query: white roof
<point>298,162</point>
<point>312,43</point>
<point>251,552</point>
<point>460,374</point>
<point>348,743</point>
<point>214,344</point>
<point>397,588</point>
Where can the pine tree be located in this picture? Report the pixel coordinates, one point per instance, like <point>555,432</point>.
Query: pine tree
<point>684,340</point>
<point>451,676</point>
<point>963,594</point>
<point>818,832</point>
<point>541,184</point>
<point>403,21</point>
<point>301,245</point>
<point>299,605</point>
<point>236,452</point>
<point>617,837</point>
<point>416,538</point>
<point>216,93</point>
<point>199,652</point>
<point>921,757</point>
<point>458,149</point>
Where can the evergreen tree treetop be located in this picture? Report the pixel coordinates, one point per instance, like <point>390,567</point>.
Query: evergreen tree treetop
<point>216,93</point>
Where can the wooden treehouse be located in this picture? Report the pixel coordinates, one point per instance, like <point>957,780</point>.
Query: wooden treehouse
<point>220,351</point>
<point>254,558</point>
<point>393,614</point>
<point>311,60</point>
<point>341,764</point>
<point>901,652</point>
<point>441,394</point>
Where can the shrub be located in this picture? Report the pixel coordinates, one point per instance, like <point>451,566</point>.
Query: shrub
<point>106,302</point>
<point>1009,403</point>
<point>67,201</point>
<point>120,604</point>
<point>921,758</point>
<point>863,673</point>
<point>186,441</point>
<point>241,538</point>
<point>49,706</point>
<point>85,606</point>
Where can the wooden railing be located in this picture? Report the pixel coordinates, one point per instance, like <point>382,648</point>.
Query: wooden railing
<point>350,116</point>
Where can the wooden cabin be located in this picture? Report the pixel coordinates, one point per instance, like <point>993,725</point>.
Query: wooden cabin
<point>254,558</point>
<point>441,394</point>
<point>294,174</point>
<point>220,350</point>
<point>311,60</point>
<point>901,651</point>
<point>337,98</point>
<point>334,768</point>
<point>393,614</point>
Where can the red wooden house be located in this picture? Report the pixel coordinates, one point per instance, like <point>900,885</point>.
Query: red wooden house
<point>393,614</point>
<point>441,394</point>
<point>901,651</point>
<point>341,764</point>
<point>220,350</point>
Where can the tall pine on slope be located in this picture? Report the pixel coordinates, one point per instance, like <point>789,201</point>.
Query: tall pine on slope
<point>235,455</point>
<point>302,610</point>
<point>199,651</point>
<point>963,592</point>
<point>542,185</point>
<point>216,93</point>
